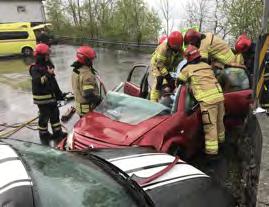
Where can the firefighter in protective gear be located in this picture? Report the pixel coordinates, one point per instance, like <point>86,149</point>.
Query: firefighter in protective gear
<point>84,82</point>
<point>242,45</point>
<point>211,47</point>
<point>46,92</point>
<point>164,60</point>
<point>208,93</point>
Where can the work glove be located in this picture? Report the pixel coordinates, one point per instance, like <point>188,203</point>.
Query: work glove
<point>170,81</point>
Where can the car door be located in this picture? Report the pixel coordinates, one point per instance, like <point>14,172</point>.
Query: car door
<point>137,81</point>
<point>192,121</point>
<point>185,123</point>
<point>237,92</point>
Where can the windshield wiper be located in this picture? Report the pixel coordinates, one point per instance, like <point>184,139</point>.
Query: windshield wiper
<point>122,178</point>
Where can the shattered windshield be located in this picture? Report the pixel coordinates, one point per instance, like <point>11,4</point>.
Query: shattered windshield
<point>129,109</point>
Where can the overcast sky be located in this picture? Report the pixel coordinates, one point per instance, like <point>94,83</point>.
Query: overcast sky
<point>177,14</point>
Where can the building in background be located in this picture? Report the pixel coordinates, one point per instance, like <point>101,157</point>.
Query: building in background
<point>22,11</point>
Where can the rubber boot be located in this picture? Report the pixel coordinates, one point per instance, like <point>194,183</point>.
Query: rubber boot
<point>45,138</point>
<point>59,135</point>
<point>212,160</point>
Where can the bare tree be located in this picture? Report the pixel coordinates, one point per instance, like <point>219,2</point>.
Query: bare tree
<point>167,10</point>
<point>197,13</point>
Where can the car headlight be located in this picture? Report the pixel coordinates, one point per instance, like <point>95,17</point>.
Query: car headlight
<point>69,141</point>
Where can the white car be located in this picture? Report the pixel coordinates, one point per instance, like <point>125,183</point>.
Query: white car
<point>35,175</point>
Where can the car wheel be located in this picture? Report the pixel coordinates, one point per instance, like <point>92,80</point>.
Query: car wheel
<point>27,51</point>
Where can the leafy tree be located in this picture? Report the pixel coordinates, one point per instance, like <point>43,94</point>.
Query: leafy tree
<point>129,20</point>
<point>244,16</point>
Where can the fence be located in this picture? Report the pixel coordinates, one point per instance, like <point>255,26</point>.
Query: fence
<point>105,43</point>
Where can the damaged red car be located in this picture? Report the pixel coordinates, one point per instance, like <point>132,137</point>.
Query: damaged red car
<point>127,118</point>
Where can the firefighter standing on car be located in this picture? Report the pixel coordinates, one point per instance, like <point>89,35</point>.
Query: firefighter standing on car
<point>208,93</point>
<point>211,47</point>
<point>241,46</point>
<point>84,82</point>
<point>46,92</point>
<point>164,60</point>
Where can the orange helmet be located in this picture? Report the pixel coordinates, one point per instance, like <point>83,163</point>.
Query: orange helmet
<point>175,40</point>
<point>162,39</point>
<point>192,37</point>
<point>191,53</point>
<point>41,49</point>
<point>84,53</point>
<point>242,43</point>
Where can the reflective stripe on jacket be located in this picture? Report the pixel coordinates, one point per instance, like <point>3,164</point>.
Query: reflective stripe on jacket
<point>239,59</point>
<point>204,85</point>
<point>214,47</point>
<point>164,60</point>
<point>45,88</point>
<point>84,84</point>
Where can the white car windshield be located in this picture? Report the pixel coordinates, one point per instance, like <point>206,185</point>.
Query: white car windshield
<point>129,109</point>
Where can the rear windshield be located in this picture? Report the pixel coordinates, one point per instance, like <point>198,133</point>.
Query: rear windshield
<point>64,180</point>
<point>233,79</point>
<point>129,109</point>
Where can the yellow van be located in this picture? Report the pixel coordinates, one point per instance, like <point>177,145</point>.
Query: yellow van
<point>17,38</point>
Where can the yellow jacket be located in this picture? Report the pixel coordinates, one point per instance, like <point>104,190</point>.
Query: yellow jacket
<point>214,47</point>
<point>204,85</point>
<point>239,59</point>
<point>164,60</point>
<point>83,83</point>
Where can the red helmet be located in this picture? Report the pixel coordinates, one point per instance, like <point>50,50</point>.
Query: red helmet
<point>84,53</point>
<point>191,53</point>
<point>242,43</point>
<point>175,40</point>
<point>42,49</point>
<point>162,39</point>
<point>192,37</point>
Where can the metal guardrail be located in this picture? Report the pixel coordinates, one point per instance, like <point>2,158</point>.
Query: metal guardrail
<point>101,42</point>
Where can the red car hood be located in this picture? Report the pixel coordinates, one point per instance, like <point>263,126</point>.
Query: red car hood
<point>99,127</point>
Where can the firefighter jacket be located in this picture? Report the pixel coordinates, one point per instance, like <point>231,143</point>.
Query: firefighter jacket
<point>239,59</point>
<point>213,47</point>
<point>204,85</point>
<point>85,89</point>
<point>164,60</point>
<point>45,88</point>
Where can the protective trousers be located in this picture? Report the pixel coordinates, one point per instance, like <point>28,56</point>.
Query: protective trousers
<point>212,118</point>
<point>158,82</point>
<point>49,112</point>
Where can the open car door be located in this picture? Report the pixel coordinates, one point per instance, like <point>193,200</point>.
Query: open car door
<point>137,81</point>
<point>237,92</point>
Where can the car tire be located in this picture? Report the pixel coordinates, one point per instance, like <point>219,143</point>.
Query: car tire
<point>27,51</point>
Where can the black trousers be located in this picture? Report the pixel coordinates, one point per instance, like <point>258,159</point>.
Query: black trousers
<point>49,112</point>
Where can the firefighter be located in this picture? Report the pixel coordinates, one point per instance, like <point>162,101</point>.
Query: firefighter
<point>164,60</point>
<point>208,93</point>
<point>43,37</point>
<point>211,47</point>
<point>242,45</point>
<point>84,81</point>
<point>46,92</point>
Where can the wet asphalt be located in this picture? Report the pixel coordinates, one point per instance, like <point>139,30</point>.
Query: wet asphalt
<point>16,105</point>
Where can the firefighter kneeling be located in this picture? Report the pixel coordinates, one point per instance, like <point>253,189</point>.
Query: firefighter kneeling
<point>84,82</point>
<point>208,93</point>
<point>46,92</point>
